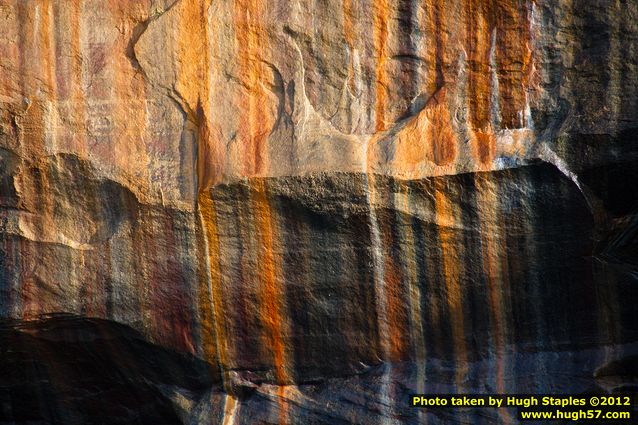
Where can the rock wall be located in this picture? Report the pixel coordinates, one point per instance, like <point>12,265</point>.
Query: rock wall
<point>304,211</point>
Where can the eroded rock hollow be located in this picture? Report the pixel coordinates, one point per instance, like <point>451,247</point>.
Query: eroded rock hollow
<point>302,212</point>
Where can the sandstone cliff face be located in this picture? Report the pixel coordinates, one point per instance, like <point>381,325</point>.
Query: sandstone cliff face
<point>303,211</point>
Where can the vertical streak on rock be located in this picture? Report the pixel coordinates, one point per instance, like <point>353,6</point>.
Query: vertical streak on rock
<point>479,22</point>
<point>64,75</point>
<point>231,406</point>
<point>214,339</point>
<point>252,132</point>
<point>89,295</point>
<point>414,292</point>
<point>193,85</point>
<point>615,59</point>
<point>77,91</point>
<point>484,142</point>
<point>10,269</point>
<point>439,132</point>
<point>378,265</point>
<point>282,397</point>
<point>348,27</point>
<point>141,290</point>
<point>108,287</point>
<point>49,62</point>
<point>405,23</point>
<point>448,220</point>
<point>48,69</point>
<point>429,53</point>
<point>494,86</point>
<point>513,56</point>
<point>380,45</point>
<point>25,42</point>
<point>8,45</point>
<point>179,323</point>
<point>28,306</point>
<point>429,276</point>
<point>348,33</point>
<point>211,154</point>
<point>487,207</point>
<point>440,26</point>
<point>194,31</point>
<point>149,283</point>
<point>392,280</point>
<point>271,302</point>
<point>246,279</point>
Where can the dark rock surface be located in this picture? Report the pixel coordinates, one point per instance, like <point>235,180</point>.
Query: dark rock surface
<point>70,369</point>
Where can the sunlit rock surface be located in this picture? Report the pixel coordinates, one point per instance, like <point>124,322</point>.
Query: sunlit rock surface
<point>303,211</point>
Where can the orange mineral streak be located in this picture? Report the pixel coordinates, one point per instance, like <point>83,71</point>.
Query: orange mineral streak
<point>487,200</point>
<point>348,25</point>
<point>48,53</point>
<point>381,13</point>
<point>230,410</point>
<point>483,143</point>
<point>212,316</point>
<point>479,34</point>
<point>36,72</point>
<point>282,404</point>
<point>271,303</point>
<point>193,87</point>
<point>193,52</point>
<point>509,22</point>
<point>448,220</point>
<point>492,37</point>
<point>513,55</point>
<point>397,344</point>
<point>439,132</point>
<point>254,122</point>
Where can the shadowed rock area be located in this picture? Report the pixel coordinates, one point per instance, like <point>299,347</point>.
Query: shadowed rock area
<point>523,267</point>
<point>69,369</point>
